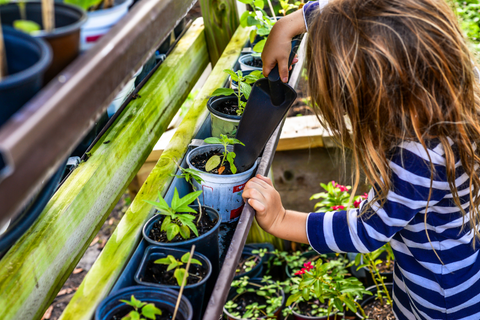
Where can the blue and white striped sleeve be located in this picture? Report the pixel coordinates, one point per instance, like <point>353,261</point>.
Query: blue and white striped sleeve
<point>310,8</point>
<point>346,231</point>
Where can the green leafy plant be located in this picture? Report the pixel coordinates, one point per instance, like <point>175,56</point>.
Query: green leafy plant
<point>217,161</point>
<point>258,18</point>
<point>244,87</point>
<point>248,264</point>
<point>91,5</point>
<point>324,283</point>
<point>469,13</point>
<point>336,197</point>
<point>287,6</point>
<point>176,221</point>
<point>372,261</point>
<point>142,310</point>
<point>174,264</point>
<point>268,289</point>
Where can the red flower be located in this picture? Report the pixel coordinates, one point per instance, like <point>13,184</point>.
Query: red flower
<point>365,196</point>
<point>299,272</point>
<point>356,203</point>
<point>338,207</point>
<point>342,188</point>
<point>308,266</point>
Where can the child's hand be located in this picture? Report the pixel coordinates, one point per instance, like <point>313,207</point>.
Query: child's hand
<point>262,196</point>
<point>279,43</point>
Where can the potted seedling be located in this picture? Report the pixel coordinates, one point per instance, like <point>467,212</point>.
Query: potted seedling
<point>294,266</point>
<point>336,197</point>
<point>140,302</point>
<point>250,265</point>
<point>380,305</point>
<point>226,105</point>
<point>384,260</point>
<point>254,299</point>
<point>322,292</point>
<point>57,23</point>
<point>261,21</point>
<point>165,268</point>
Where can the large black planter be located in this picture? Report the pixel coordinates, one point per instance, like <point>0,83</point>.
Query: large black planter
<point>27,60</point>
<point>64,39</point>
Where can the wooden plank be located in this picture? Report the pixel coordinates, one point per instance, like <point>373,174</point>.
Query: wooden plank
<point>101,278</point>
<point>303,132</point>
<point>34,270</point>
<point>221,21</point>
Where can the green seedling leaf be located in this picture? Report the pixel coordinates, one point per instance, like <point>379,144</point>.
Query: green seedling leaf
<point>252,35</point>
<point>179,274</point>
<point>223,92</point>
<point>232,74</point>
<point>213,140</point>
<point>260,45</point>
<point>150,311</point>
<point>231,159</point>
<point>190,224</point>
<point>186,200</point>
<point>161,205</point>
<point>186,256</point>
<point>133,315</point>
<point>212,163</point>
<point>84,4</point>
<point>185,232</point>
<point>246,89</point>
<point>172,231</point>
<point>259,3</point>
<point>166,222</point>
<point>163,261</point>
<point>26,26</point>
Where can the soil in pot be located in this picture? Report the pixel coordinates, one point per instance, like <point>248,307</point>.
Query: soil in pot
<point>200,161</point>
<point>385,267</point>
<point>228,107</point>
<point>378,311</point>
<point>166,315</point>
<point>244,265</point>
<point>157,273</point>
<point>255,62</point>
<point>205,225</point>
<point>314,309</point>
<point>247,299</point>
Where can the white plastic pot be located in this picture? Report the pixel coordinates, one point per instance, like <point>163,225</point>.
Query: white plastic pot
<point>101,21</point>
<point>221,192</point>
<point>245,58</point>
<point>4,227</point>
<point>122,95</point>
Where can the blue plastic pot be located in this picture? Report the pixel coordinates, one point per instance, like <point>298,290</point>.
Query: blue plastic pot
<point>193,292</point>
<point>162,298</point>
<point>206,244</point>
<point>27,60</point>
<point>256,271</point>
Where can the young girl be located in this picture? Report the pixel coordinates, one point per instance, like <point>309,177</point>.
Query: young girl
<point>402,73</point>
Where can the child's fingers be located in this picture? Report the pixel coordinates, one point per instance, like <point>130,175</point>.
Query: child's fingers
<point>283,69</point>
<point>265,179</point>
<point>256,205</point>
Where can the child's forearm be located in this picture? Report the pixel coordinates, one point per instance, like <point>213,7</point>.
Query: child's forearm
<point>290,225</point>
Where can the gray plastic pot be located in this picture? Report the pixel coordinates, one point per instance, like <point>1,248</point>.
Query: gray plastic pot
<point>246,58</point>
<point>222,123</point>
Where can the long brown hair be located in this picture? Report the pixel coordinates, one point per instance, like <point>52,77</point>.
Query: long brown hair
<point>401,71</point>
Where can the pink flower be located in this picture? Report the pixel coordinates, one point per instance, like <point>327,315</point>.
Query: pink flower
<point>338,207</point>
<point>356,203</point>
<point>342,188</point>
<point>299,272</point>
<point>365,196</point>
<point>308,266</point>
<point>334,184</point>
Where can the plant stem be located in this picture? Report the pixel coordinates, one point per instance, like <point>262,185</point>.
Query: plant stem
<point>271,8</point>
<point>48,15</point>
<point>3,58</point>
<point>184,281</point>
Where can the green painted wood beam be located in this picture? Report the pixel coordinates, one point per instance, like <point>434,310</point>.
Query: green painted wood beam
<point>114,257</point>
<point>35,268</point>
<point>221,21</point>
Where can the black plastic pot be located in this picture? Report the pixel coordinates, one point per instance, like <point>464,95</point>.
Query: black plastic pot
<point>27,61</point>
<point>162,298</point>
<point>370,299</point>
<point>333,316</point>
<point>195,293</point>
<point>256,270</point>
<point>206,244</point>
<point>64,39</point>
<point>222,123</point>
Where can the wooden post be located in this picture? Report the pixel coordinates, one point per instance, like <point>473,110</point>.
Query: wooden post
<point>3,55</point>
<point>221,21</point>
<point>48,15</point>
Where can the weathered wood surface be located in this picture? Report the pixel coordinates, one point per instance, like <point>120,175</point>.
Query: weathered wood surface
<point>221,21</point>
<point>101,278</point>
<point>36,267</point>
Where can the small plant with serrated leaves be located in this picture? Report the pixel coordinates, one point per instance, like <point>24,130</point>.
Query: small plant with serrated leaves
<point>176,220</point>
<point>190,175</point>
<point>325,288</point>
<point>258,18</point>
<point>244,87</point>
<point>142,310</point>
<point>267,289</point>
<point>174,264</point>
<point>217,161</point>
<point>372,261</point>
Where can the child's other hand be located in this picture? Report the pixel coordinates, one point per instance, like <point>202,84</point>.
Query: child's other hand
<point>262,196</point>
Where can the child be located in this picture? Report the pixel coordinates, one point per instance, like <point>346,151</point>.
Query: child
<point>401,71</point>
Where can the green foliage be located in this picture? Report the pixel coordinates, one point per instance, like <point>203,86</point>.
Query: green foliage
<point>176,221</point>
<point>215,160</point>
<point>336,197</point>
<point>244,87</point>
<point>84,4</point>
<point>141,310</point>
<point>258,18</point>
<point>371,261</point>
<point>287,6</point>
<point>469,16</point>
<point>174,264</point>
<point>268,289</point>
<point>26,26</point>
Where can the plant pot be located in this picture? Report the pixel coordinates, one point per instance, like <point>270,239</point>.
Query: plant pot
<point>370,299</point>
<point>193,292</point>
<point>243,60</point>
<point>27,61</point>
<point>101,21</point>
<point>234,84</point>
<point>123,94</point>
<point>206,244</point>
<point>64,39</point>
<point>256,270</point>
<point>222,123</point>
<point>332,316</point>
<point>233,292</point>
<point>162,298</point>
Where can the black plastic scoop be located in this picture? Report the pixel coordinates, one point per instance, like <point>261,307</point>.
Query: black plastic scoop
<point>267,105</point>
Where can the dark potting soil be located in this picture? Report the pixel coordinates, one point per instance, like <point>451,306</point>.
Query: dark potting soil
<point>378,311</point>
<point>228,107</point>
<point>305,308</point>
<point>200,161</point>
<point>205,225</point>
<point>255,62</point>
<point>157,273</point>
<point>386,268</point>
<point>166,315</point>
<point>247,299</point>
<point>242,267</point>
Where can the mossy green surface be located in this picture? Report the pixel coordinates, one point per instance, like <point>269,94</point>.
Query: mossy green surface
<point>124,240</point>
<point>35,268</point>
